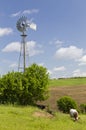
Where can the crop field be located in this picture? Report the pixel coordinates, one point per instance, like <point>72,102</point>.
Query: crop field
<point>74,87</point>
<point>67,82</point>
<point>78,93</point>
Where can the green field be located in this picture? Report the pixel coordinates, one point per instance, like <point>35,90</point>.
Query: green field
<point>25,118</point>
<point>32,118</point>
<point>67,82</point>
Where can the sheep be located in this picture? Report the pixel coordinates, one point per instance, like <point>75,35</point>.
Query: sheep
<point>74,114</point>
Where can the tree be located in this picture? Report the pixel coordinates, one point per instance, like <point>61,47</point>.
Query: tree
<point>35,83</point>
<point>10,86</point>
<point>24,88</point>
<point>65,103</point>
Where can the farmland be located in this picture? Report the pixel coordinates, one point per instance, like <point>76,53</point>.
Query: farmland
<point>73,87</point>
<point>67,82</point>
<point>32,118</point>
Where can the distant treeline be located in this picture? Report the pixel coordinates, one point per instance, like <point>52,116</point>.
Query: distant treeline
<point>73,78</point>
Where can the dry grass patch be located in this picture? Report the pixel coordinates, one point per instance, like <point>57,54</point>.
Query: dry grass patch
<point>42,114</point>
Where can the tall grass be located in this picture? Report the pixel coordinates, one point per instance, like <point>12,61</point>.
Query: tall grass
<point>22,118</point>
<point>67,82</point>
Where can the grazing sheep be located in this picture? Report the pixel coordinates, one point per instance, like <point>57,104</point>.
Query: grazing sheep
<point>74,114</point>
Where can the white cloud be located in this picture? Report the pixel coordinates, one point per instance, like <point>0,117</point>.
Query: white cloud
<point>71,52</point>
<point>78,73</point>
<point>24,12</point>
<point>58,43</point>
<point>16,14</point>
<point>31,48</point>
<point>5,31</point>
<point>82,60</point>
<point>61,68</point>
<point>14,46</point>
<point>13,65</point>
<point>57,72</point>
<point>30,11</point>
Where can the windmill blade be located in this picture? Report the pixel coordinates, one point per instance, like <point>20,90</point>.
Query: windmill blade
<point>23,24</point>
<point>33,26</point>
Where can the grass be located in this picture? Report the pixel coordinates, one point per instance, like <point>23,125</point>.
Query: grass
<point>22,118</point>
<point>67,82</point>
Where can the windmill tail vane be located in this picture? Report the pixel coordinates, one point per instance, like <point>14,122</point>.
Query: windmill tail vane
<point>32,25</point>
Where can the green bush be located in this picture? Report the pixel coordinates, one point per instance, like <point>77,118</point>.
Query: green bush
<point>83,108</point>
<point>35,83</point>
<point>24,88</point>
<point>10,85</point>
<point>65,103</point>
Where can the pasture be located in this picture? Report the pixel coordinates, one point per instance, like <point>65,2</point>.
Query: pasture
<point>31,118</point>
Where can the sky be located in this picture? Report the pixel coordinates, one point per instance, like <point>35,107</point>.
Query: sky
<point>58,43</point>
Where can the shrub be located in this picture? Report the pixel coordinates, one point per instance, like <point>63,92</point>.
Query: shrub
<point>36,83</point>
<point>24,88</point>
<point>83,108</point>
<point>65,103</point>
<point>10,85</point>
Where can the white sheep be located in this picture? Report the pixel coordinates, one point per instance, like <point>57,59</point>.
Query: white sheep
<point>74,114</point>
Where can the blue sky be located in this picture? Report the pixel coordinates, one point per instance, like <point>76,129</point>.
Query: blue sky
<point>59,42</point>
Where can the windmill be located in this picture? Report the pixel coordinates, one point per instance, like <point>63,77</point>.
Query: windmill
<point>23,24</point>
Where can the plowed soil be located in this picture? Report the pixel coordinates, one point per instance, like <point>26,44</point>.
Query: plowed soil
<point>78,93</point>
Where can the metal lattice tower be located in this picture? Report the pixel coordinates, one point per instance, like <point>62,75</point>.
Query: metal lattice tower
<point>24,56</point>
<point>22,25</point>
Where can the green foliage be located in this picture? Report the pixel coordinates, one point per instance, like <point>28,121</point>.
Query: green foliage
<point>37,77</point>
<point>24,88</point>
<point>10,85</point>
<point>65,103</point>
<point>83,108</point>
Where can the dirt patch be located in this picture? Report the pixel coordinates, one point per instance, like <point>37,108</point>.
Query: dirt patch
<point>78,93</point>
<point>42,114</point>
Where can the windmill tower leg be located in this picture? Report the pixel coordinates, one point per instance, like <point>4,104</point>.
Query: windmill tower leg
<point>22,57</point>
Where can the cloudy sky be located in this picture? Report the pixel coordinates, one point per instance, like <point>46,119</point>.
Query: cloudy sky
<point>58,43</point>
